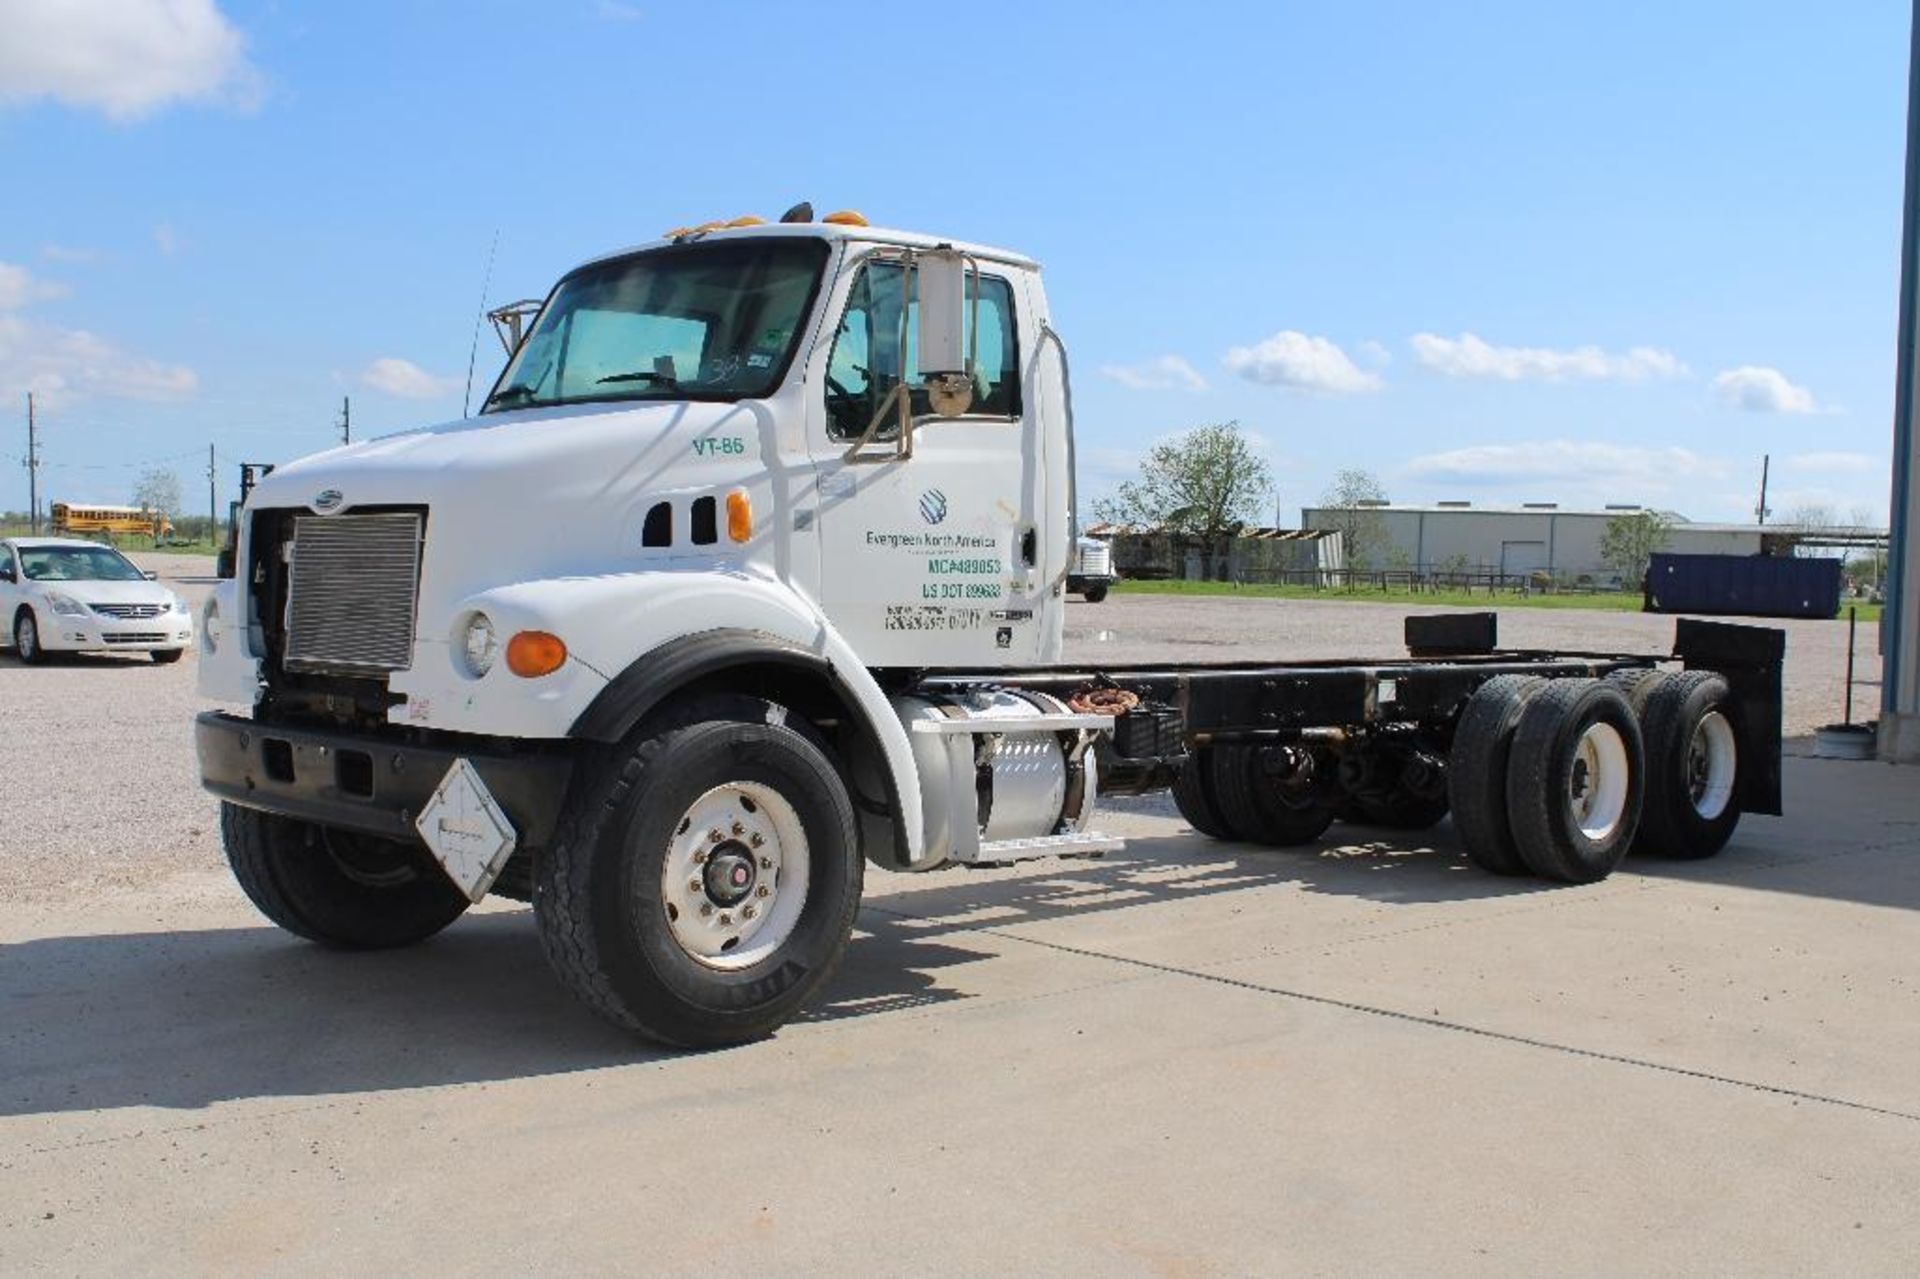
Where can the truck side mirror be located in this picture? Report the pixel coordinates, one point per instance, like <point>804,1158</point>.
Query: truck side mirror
<point>948,320</point>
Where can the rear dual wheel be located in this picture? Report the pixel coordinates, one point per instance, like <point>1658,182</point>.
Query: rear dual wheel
<point>1236,792</point>
<point>1575,780</point>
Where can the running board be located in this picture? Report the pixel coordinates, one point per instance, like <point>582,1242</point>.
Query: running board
<point>1004,852</point>
<point>1025,724</point>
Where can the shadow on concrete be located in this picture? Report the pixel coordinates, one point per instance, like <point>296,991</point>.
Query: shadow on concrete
<point>180,1020</point>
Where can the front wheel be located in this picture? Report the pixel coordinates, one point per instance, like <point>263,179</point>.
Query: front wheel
<point>336,887</point>
<point>704,879</point>
<point>1095,594</point>
<point>26,638</point>
<point>168,656</point>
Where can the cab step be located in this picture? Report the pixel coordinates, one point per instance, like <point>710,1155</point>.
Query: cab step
<point>1005,852</point>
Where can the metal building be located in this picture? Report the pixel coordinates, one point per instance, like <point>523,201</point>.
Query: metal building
<point>1519,541</point>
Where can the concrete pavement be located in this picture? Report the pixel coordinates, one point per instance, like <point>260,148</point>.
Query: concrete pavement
<point>1191,1058</point>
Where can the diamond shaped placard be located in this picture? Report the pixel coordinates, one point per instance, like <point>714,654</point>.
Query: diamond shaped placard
<point>466,831</point>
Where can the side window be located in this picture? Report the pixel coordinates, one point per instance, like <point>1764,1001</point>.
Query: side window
<point>866,361</point>
<point>6,565</point>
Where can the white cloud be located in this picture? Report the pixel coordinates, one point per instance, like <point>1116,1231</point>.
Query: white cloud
<point>1472,356</point>
<point>1836,463</point>
<point>1302,362</point>
<point>617,11</point>
<point>1624,467</point>
<point>1373,354</point>
<point>59,365</point>
<point>1163,373</point>
<point>18,287</point>
<point>406,379</point>
<point>68,253</point>
<point>1759,389</point>
<point>166,239</point>
<point>126,58</point>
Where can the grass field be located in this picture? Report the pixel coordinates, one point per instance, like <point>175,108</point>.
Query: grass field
<point>1608,602</point>
<point>20,529</point>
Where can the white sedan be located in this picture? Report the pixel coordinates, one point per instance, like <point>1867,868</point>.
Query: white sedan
<point>62,593</point>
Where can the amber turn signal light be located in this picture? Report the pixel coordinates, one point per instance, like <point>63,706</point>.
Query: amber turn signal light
<point>531,654</point>
<point>739,515</point>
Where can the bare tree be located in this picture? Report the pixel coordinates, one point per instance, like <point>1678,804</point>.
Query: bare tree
<point>1354,502</point>
<point>158,490</point>
<point>1208,483</point>
<point>1628,542</point>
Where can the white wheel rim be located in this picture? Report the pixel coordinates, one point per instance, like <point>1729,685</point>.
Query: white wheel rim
<point>1597,782</point>
<point>735,876</point>
<point>1711,759</point>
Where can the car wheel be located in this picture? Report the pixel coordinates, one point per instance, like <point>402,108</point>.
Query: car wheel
<point>26,638</point>
<point>166,656</point>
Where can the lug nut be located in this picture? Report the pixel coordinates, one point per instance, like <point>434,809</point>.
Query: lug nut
<point>763,891</point>
<point>756,839</point>
<point>747,913</point>
<point>706,908</point>
<point>693,885</point>
<point>725,918</point>
<point>738,829</point>
<point>699,856</point>
<point>715,835</point>
<point>766,863</point>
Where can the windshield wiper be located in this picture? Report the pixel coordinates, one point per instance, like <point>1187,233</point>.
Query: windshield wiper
<point>657,379</point>
<point>520,391</point>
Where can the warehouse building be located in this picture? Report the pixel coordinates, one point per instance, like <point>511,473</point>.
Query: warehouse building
<point>1519,541</point>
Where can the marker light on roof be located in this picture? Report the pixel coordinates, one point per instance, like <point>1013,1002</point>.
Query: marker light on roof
<point>847,217</point>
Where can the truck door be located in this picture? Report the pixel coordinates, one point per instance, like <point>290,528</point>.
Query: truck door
<point>930,559</point>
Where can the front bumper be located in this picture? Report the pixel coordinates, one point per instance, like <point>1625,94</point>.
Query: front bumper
<point>90,631</point>
<point>364,783</point>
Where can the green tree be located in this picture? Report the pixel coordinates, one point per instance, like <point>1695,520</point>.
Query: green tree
<point>1208,483</point>
<point>1629,541</point>
<point>1352,504</point>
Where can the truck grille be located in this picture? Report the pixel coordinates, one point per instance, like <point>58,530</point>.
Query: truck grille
<point>352,590</point>
<point>1096,560</point>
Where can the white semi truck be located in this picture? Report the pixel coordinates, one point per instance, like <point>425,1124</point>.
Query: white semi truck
<point>750,572</point>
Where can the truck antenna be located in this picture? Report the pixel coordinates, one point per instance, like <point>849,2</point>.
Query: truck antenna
<point>473,350</point>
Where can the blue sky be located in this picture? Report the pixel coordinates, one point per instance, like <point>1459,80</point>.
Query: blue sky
<point>1488,251</point>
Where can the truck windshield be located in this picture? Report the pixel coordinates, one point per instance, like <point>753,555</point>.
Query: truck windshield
<point>707,321</point>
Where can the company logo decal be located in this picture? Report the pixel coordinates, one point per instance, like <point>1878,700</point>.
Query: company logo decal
<point>327,500</point>
<point>933,506</point>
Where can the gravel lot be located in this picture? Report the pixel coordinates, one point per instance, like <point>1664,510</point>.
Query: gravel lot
<point>98,751</point>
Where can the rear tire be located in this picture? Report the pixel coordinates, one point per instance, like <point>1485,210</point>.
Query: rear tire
<point>1193,794</point>
<point>1255,806</point>
<point>1575,780</point>
<point>1477,772</point>
<point>630,913</point>
<point>1693,767</point>
<point>338,888</point>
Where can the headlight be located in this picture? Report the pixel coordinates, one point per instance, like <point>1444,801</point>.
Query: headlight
<point>180,606</point>
<point>65,605</point>
<point>479,646</point>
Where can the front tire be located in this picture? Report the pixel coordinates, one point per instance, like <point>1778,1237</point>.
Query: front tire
<point>26,638</point>
<point>703,882</point>
<point>167,656</point>
<point>1095,594</point>
<point>338,888</point>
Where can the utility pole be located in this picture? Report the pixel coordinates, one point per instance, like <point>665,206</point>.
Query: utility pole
<point>33,471</point>
<point>1760,512</point>
<point>346,419</point>
<point>213,504</point>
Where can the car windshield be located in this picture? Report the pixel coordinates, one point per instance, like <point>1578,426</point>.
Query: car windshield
<point>77,564</point>
<point>704,321</point>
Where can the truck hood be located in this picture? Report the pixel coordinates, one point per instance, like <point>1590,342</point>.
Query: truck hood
<point>533,493</point>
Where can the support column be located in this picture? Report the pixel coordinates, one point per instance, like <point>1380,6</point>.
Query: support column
<point>1900,687</point>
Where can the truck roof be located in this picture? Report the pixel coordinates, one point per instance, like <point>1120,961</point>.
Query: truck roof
<point>838,231</point>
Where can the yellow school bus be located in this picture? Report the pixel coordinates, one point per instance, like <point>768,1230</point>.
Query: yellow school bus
<point>74,520</point>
